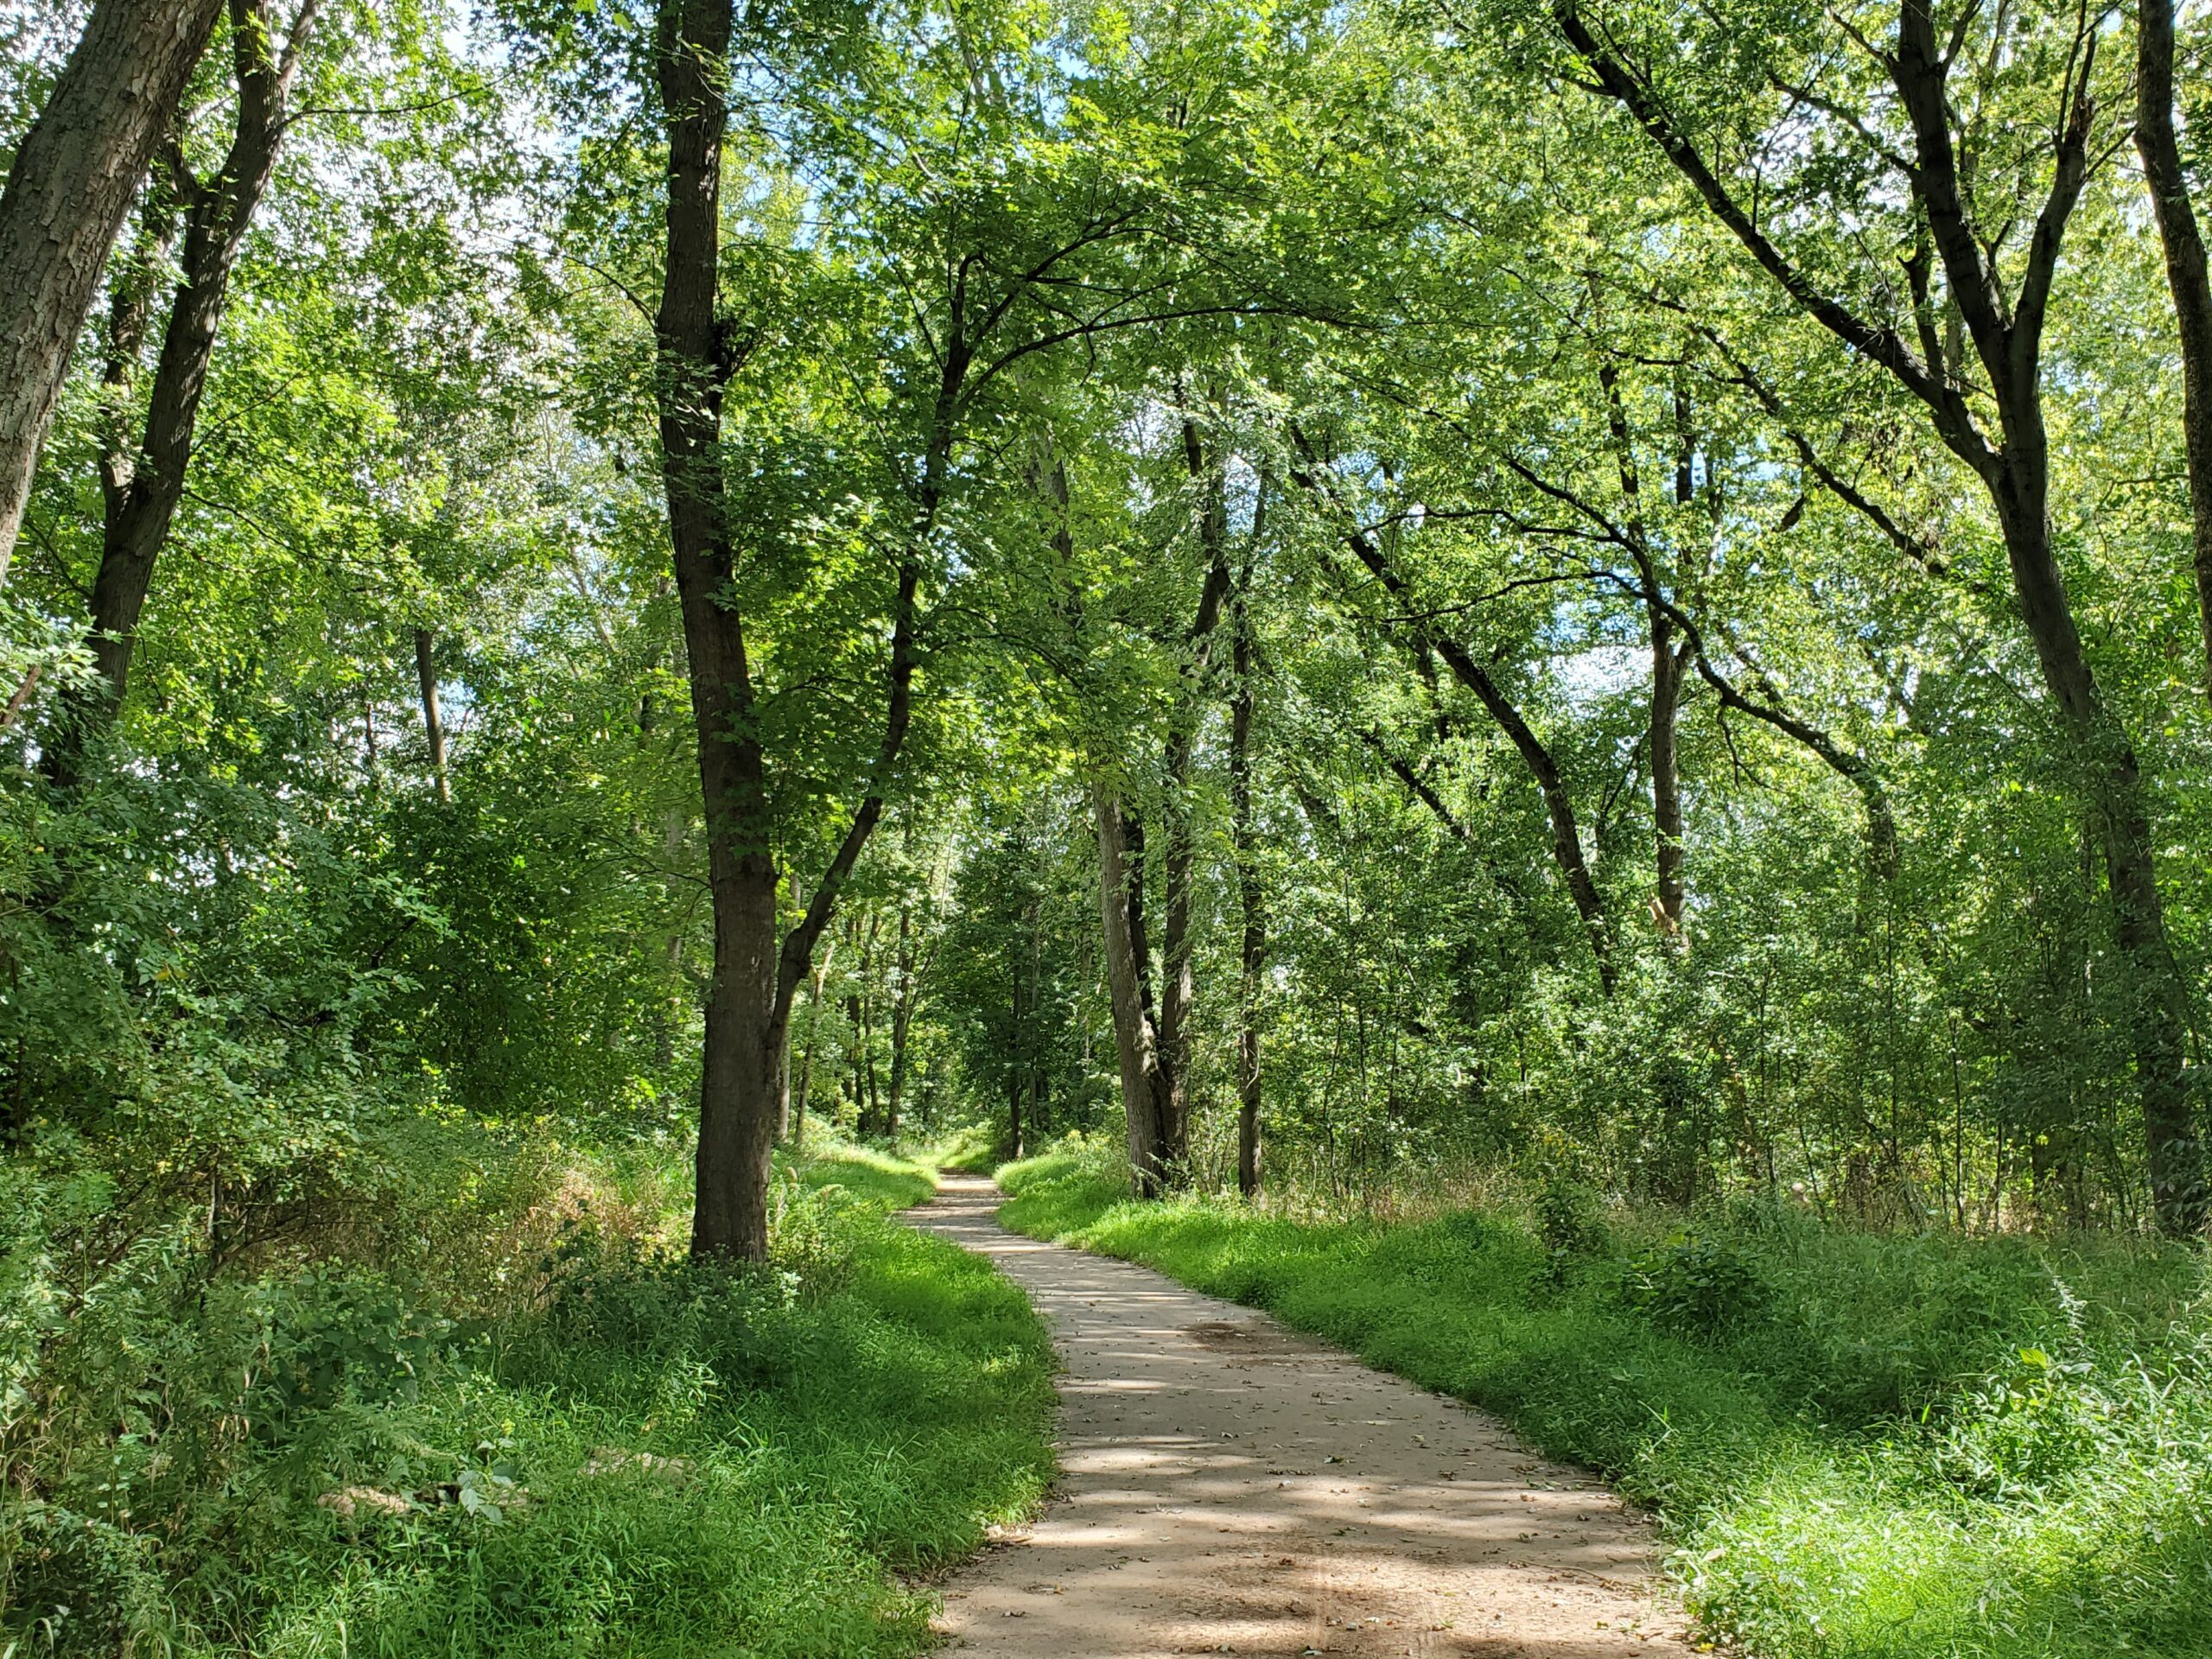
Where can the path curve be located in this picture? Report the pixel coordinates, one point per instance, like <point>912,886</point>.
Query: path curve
<point>1229,1486</point>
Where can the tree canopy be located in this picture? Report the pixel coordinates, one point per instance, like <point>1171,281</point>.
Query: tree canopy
<point>1614,576</point>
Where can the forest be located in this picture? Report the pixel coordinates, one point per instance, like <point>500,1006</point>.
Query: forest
<point>1528,681</point>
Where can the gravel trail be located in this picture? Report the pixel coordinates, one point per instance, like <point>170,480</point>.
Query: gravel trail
<point>1229,1486</point>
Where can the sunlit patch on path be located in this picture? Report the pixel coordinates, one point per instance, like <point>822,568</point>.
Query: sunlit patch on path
<point>1231,1487</point>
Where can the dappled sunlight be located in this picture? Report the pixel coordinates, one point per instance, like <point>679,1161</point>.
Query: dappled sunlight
<point>1229,1486</point>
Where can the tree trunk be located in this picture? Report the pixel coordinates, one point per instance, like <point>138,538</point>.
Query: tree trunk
<point>856,1077</point>
<point>902,1019</point>
<point>1252,957</point>
<point>1017,1079</point>
<point>1178,849</point>
<point>2186,275</point>
<point>434,725</point>
<point>68,191</point>
<point>142,482</point>
<point>874,1119</point>
<point>2159,1014</point>
<point>1136,1044</point>
<point>745,1074</point>
<point>1178,973</point>
<point>738,1086</point>
<point>738,1102</point>
<point>673,823</point>
<point>1667,669</point>
<point>1664,723</point>
<point>813,1035</point>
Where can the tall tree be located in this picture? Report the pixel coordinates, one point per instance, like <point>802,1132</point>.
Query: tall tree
<point>2003,312</point>
<point>68,189</point>
<point>1251,903</point>
<point>738,1086</point>
<point>758,966</point>
<point>141,480</point>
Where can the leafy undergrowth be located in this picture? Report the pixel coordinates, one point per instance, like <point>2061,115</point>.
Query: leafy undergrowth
<point>1861,1447</point>
<point>645,1458</point>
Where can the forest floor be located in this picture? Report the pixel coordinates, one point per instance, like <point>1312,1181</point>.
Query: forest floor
<point>1229,1486</point>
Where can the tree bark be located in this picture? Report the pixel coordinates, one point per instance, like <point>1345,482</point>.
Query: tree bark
<point>1178,848</point>
<point>744,1074</point>
<point>902,1019</point>
<point>1017,1069</point>
<point>737,1083</point>
<point>855,1066</point>
<point>1136,1042</point>
<point>1253,944</point>
<point>2186,275</point>
<point>821,972</point>
<point>141,483</point>
<point>1667,665</point>
<point>871,1122</point>
<point>1177,971</point>
<point>1664,723</point>
<point>434,725</point>
<point>2158,1016</point>
<point>68,191</point>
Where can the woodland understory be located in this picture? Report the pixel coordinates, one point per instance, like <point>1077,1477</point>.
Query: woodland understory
<point>1576,629</point>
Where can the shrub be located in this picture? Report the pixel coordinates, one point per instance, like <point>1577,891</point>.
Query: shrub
<point>1697,1284</point>
<point>637,1454</point>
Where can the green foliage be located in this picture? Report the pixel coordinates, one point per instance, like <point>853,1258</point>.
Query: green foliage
<point>633,1453</point>
<point>1861,1447</point>
<point>1568,1221</point>
<point>1698,1284</point>
<point>1363,335</point>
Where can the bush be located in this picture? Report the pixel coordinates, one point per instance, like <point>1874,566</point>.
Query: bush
<point>637,1455</point>
<point>1698,1285</point>
<point>1568,1222</point>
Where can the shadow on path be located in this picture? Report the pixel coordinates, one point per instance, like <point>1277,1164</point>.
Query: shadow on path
<point>1231,1487</point>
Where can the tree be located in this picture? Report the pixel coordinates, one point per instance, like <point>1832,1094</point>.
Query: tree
<point>1427,644</point>
<point>68,189</point>
<point>1251,900</point>
<point>143,479</point>
<point>2004,309</point>
<point>2186,276</point>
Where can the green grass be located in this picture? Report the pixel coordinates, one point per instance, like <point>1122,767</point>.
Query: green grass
<point>969,1150</point>
<point>649,1460</point>
<point>1860,1446</point>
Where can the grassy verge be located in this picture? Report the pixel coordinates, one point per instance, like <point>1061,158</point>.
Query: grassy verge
<point>642,1458</point>
<point>1861,1448</point>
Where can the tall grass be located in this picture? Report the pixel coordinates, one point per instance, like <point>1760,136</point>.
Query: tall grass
<point>642,1458</point>
<point>1860,1446</point>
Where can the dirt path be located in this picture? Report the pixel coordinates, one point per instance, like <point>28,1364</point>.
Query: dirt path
<point>1232,1487</point>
